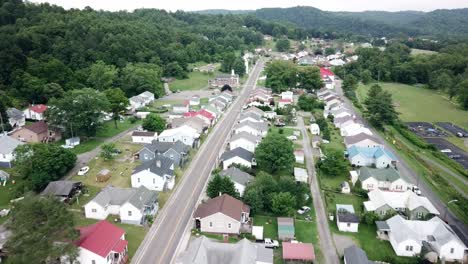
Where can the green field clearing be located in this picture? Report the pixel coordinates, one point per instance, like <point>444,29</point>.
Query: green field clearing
<point>419,104</point>
<point>422,52</point>
<point>196,81</point>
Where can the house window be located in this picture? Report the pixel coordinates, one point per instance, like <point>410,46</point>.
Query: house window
<point>452,250</point>
<point>94,210</point>
<point>146,156</point>
<point>138,179</point>
<point>93,261</point>
<point>409,248</point>
<point>154,181</point>
<point>348,224</point>
<point>419,215</point>
<point>129,213</point>
<point>211,224</point>
<point>229,225</point>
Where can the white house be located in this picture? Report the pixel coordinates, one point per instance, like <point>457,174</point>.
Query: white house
<point>35,112</point>
<point>362,140</point>
<point>7,148</point>
<point>132,205</point>
<point>353,176</point>
<point>408,203</point>
<point>144,137</point>
<point>102,243</point>
<point>408,237</point>
<point>136,102</point>
<point>299,156</point>
<point>270,114</point>
<point>288,95</point>
<point>16,117</point>
<point>314,129</point>
<point>354,129</point>
<point>333,104</point>
<point>194,100</point>
<point>223,214</point>
<point>385,179</point>
<point>185,134</point>
<point>282,103</point>
<point>148,97</point>
<point>156,174</point>
<point>252,117</point>
<point>238,156</point>
<point>240,178</point>
<point>254,128</point>
<point>244,140</point>
<point>180,108</point>
<point>376,156</point>
<point>337,113</point>
<point>346,219</point>
<point>300,175</point>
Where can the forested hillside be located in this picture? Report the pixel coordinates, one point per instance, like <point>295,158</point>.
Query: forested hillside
<point>46,50</point>
<point>376,23</point>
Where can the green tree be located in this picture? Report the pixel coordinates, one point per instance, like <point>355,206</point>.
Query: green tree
<point>221,185</point>
<point>366,76</point>
<point>333,164</point>
<point>281,75</point>
<point>107,151</point>
<point>275,153</point>
<point>118,103</point>
<point>173,69</point>
<point>309,78</point>
<point>283,45</point>
<point>253,196</point>
<point>239,66</point>
<point>39,164</point>
<point>379,107</point>
<point>369,218</point>
<point>42,230</point>
<point>155,123</point>
<point>137,78</point>
<point>329,51</point>
<point>308,103</point>
<point>283,203</point>
<point>350,82</point>
<point>102,76</point>
<point>463,94</point>
<point>79,112</point>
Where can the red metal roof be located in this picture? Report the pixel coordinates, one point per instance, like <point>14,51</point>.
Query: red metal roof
<point>206,114</point>
<point>285,100</point>
<point>298,251</point>
<point>101,238</point>
<point>326,72</point>
<point>120,246</point>
<point>190,114</point>
<point>40,108</point>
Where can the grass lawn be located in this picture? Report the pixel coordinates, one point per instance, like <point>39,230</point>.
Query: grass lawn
<point>270,225</point>
<point>419,104</point>
<point>121,167</point>
<point>196,81</point>
<point>420,51</point>
<point>159,103</point>
<point>287,131</point>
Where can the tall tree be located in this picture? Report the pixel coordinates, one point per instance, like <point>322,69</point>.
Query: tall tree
<point>155,123</point>
<point>309,78</point>
<point>275,153</point>
<point>221,185</point>
<point>140,77</point>
<point>42,230</point>
<point>281,75</point>
<point>118,103</point>
<point>283,45</point>
<point>39,164</point>
<point>283,203</point>
<point>333,164</point>
<point>102,76</point>
<point>379,107</point>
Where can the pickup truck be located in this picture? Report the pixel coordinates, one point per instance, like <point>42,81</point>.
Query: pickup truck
<point>270,243</point>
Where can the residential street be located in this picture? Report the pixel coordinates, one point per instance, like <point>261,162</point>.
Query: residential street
<point>405,169</point>
<point>326,241</point>
<point>162,240</point>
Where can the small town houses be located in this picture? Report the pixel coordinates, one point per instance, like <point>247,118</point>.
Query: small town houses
<point>185,134</point>
<point>240,178</point>
<point>35,112</point>
<point>156,174</point>
<point>141,100</point>
<point>176,151</point>
<point>385,179</point>
<point>7,148</point>
<point>131,205</point>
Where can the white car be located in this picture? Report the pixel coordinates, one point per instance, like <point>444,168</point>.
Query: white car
<point>83,171</point>
<point>270,243</point>
<point>416,190</point>
<point>303,210</point>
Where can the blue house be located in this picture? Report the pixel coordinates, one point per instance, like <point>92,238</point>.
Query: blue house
<point>374,156</point>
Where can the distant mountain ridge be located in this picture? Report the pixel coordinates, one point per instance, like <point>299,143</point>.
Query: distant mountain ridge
<point>444,22</point>
<point>222,12</point>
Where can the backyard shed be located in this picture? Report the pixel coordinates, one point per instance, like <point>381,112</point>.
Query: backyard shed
<point>303,252</point>
<point>285,228</point>
<point>257,232</point>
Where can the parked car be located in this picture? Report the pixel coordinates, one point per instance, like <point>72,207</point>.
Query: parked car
<point>83,171</point>
<point>416,190</point>
<point>116,151</point>
<point>270,243</point>
<point>303,210</point>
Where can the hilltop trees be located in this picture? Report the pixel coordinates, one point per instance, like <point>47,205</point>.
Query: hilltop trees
<point>140,77</point>
<point>102,76</point>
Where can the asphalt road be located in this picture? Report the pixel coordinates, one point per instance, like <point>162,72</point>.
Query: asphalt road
<point>406,170</point>
<point>161,242</point>
<point>326,240</point>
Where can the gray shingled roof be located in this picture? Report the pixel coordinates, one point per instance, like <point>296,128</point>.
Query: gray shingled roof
<point>138,197</point>
<point>388,174</point>
<point>247,136</point>
<point>348,217</point>
<point>238,152</point>
<point>160,166</point>
<point>14,113</point>
<point>162,147</point>
<point>358,138</point>
<point>236,175</point>
<point>8,144</point>
<point>261,126</point>
<point>60,188</point>
<point>250,114</point>
<point>355,255</point>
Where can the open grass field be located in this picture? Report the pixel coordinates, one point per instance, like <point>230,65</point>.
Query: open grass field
<point>422,52</point>
<point>419,104</point>
<point>196,81</point>
<point>270,225</point>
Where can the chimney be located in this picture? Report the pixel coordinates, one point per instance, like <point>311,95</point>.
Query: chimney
<point>220,193</point>
<point>158,163</point>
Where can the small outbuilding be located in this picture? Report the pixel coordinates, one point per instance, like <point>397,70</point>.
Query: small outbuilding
<point>63,190</point>
<point>298,252</point>
<point>286,228</point>
<point>345,187</point>
<point>314,129</point>
<point>346,219</point>
<point>299,155</point>
<point>300,175</point>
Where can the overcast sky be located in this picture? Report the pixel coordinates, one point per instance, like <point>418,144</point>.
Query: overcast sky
<point>331,5</point>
